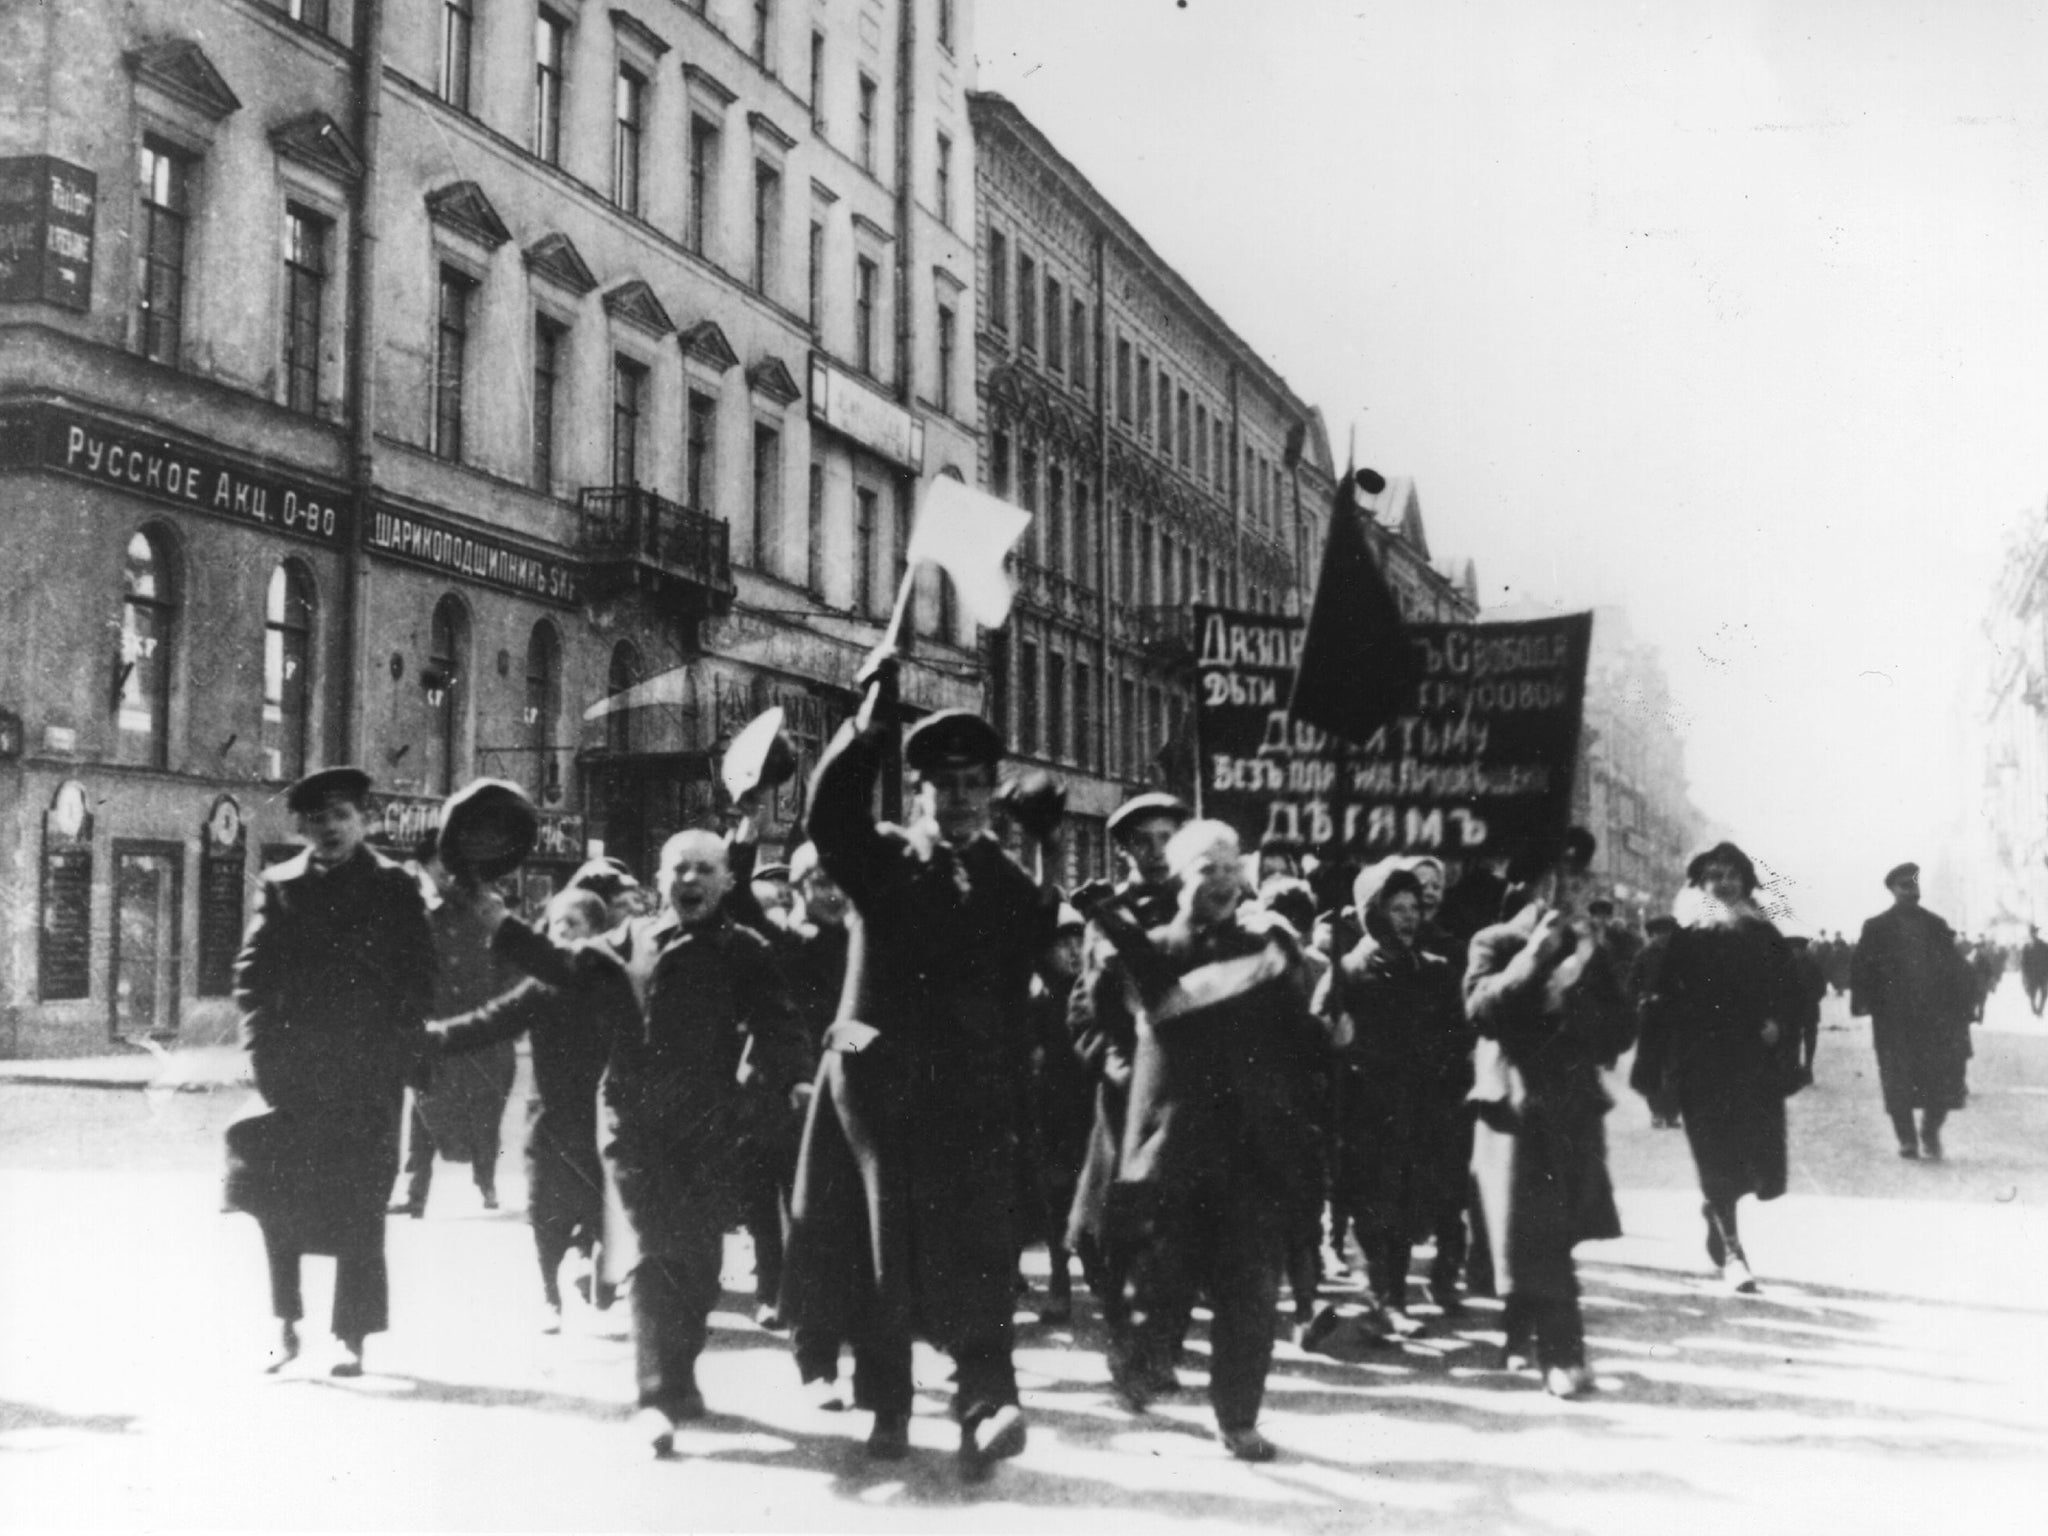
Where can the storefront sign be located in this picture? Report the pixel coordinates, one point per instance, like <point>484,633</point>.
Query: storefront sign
<point>46,226</point>
<point>397,823</point>
<point>223,865</point>
<point>54,437</point>
<point>440,546</point>
<point>1479,762</point>
<point>848,405</point>
<point>64,910</point>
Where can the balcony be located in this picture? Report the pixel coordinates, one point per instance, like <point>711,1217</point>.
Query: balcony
<point>1165,632</point>
<point>1045,590</point>
<point>635,539</point>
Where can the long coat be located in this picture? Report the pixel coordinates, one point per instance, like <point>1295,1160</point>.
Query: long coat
<point>334,981</point>
<point>902,1209</point>
<point>1539,1152</point>
<point>1918,992</point>
<point>1702,1044</point>
<point>466,1100</point>
<point>696,1091</point>
<point>578,1004</point>
<point>1403,1151</point>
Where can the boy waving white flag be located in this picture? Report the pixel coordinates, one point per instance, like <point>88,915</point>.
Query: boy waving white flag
<point>967,533</point>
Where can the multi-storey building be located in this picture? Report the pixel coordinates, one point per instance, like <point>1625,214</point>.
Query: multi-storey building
<point>1425,593</point>
<point>1165,463</point>
<point>2001,879</point>
<point>398,383</point>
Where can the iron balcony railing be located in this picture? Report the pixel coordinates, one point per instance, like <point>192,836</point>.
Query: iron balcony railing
<point>632,523</point>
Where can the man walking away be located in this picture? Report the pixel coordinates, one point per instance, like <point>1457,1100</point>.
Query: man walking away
<point>1917,991</point>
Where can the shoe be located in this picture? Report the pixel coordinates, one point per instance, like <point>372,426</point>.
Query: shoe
<point>1058,1308</point>
<point>767,1316</point>
<point>286,1352</point>
<point>350,1365</point>
<point>550,1319</point>
<point>414,1209</point>
<point>654,1430</point>
<point>1568,1381</point>
<point>989,1438</point>
<point>889,1440</point>
<point>1445,1294</point>
<point>1131,1382</point>
<point>1910,1151</point>
<point>824,1395</point>
<point>1930,1144</point>
<point>1318,1328</point>
<point>490,1199</point>
<point>1247,1444</point>
<point>1736,1276</point>
<point>689,1405</point>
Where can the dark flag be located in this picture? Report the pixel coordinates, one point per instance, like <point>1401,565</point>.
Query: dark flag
<point>1357,670</point>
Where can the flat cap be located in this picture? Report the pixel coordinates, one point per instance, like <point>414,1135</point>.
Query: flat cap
<point>314,791</point>
<point>772,872</point>
<point>1906,871</point>
<point>1151,803</point>
<point>952,738</point>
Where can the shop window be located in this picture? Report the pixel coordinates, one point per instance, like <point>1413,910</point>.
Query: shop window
<point>143,958</point>
<point>287,671</point>
<point>444,683</point>
<point>142,668</point>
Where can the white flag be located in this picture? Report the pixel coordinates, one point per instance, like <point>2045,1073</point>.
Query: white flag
<point>966,533</point>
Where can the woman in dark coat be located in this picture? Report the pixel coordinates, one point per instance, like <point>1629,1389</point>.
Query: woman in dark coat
<point>1550,1009</point>
<point>1719,1043</point>
<point>333,983</point>
<point>1404,1141</point>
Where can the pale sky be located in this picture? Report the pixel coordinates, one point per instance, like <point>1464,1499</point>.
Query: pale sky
<point>1734,314</point>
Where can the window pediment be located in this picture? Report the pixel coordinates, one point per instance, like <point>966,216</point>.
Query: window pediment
<point>717,90</point>
<point>462,207</point>
<point>766,127</point>
<point>771,378</point>
<point>639,33</point>
<point>180,69</point>
<point>634,303</point>
<point>317,142</point>
<point>555,259</point>
<point>706,342</point>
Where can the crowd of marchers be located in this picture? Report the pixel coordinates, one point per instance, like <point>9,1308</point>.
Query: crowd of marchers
<point>904,1057</point>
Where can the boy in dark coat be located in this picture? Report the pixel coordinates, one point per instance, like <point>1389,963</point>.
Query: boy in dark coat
<point>333,983</point>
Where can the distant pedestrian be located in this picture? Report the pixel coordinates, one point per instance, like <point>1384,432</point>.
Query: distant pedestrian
<point>1060,1114</point>
<point>1550,1010</point>
<point>1919,994</point>
<point>1720,1036</point>
<point>2034,969</point>
<point>1811,992</point>
<point>333,982</point>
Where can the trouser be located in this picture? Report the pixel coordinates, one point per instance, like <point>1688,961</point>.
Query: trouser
<point>1551,1321</point>
<point>1479,1277</point>
<point>362,1285</point>
<point>419,1158</point>
<point>552,1241</point>
<point>1222,1241</point>
<point>767,1216</point>
<point>985,1377</point>
<point>673,1294</point>
<point>1386,1266</point>
<point>1931,1122</point>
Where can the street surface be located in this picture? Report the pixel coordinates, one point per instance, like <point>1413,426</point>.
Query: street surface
<point>1890,1378</point>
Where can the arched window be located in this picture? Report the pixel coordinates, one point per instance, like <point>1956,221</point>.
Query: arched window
<point>287,674</point>
<point>446,675</point>
<point>543,706</point>
<point>625,672</point>
<point>149,611</point>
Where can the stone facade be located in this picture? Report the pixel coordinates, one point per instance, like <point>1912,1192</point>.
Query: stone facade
<point>2000,880</point>
<point>418,377</point>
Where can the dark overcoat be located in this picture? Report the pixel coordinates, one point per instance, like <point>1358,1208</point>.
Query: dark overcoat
<point>696,1090</point>
<point>906,1183</point>
<point>1702,1043</point>
<point>334,982</point>
<point>1403,1148</point>
<point>1539,1151</point>
<point>1907,976</point>
<point>465,1102</point>
<point>577,1003</point>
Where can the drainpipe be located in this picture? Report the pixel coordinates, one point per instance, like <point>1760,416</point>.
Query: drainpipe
<point>361,334</point>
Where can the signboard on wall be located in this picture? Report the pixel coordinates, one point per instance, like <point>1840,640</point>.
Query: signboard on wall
<point>46,231</point>
<point>223,887</point>
<point>439,546</point>
<point>854,408</point>
<point>1479,761</point>
<point>64,904</point>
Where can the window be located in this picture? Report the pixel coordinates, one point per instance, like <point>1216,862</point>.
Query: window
<point>1027,302</point>
<point>1148,581</point>
<point>1027,697</point>
<point>543,707</point>
<point>1084,714</point>
<point>767,498</point>
<point>624,673</point>
<point>458,27</point>
<point>1123,581</point>
<point>1055,705</point>
<point>166,192</point>
<point>899,548</point>
<point>287,682</point>
<point>1218,459</point>
<point>944,172</point>
<point>142,712</point>
<point>629,101</point>
<point>547,365</point>
<point>1144,396</point>
<point>764,33</point>
<point>818,83</point>
<point>999,682</point>
<point>865,275</point>
<point>866,530</point>
<point>1083,533</point>
<point>1055,348</point>
<point>999,464</point>
<point>1182,453</point>
<point>867,125</point>
<point>1077,344</point>
<point>1053,526</point>
<point>629,403</point>
<point>1123,381</point>
<point>451,361</point>
<point>700,472</point>
<point>305,284</point>
<point>1027,480</point>
<point>702,214</point>
<point>1165,398</point>
<point>1166,569</point>
<point>946,25</point>
<point>998,280</point>
<point>814,562</point>
<point>447,670</point>
<point>947,345</point>
<point>1127,717</point>
<point>813,272</point>
<point>550,33</point>
<point>767,226</point>
<point>308,13</point>
<point>1201,442</point>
